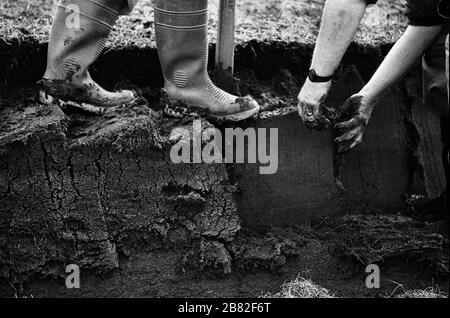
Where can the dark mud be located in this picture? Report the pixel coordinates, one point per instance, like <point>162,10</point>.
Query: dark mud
<point>333,255</point>
<point>100,190</point>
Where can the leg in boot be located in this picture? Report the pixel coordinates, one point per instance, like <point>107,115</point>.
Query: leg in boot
<point>79,32</point>
<point>181,35</point>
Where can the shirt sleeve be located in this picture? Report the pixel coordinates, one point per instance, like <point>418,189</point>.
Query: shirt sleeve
<point>424,12</point>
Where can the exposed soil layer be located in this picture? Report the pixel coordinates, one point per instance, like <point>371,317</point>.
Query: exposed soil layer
<point>101,191</point>
<point>333,254</point>
<point>85,186</point>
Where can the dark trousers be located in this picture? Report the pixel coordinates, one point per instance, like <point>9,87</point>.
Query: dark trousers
<point>435,85</point>
<point>445,144</point>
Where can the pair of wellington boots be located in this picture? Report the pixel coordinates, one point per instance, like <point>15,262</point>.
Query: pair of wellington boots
<point>79,33</point>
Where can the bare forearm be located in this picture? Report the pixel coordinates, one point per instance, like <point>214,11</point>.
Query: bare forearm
<point>340,21</point>
<point>408,49</point>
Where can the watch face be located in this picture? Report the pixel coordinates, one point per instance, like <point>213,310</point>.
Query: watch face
<point>443,8</point>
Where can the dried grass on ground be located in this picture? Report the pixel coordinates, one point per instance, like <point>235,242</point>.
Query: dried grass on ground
<point>301,288</point>
<point>271,20</point>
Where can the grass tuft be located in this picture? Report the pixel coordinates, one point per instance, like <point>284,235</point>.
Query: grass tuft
<point>430,292</point>
<point>301,288</point>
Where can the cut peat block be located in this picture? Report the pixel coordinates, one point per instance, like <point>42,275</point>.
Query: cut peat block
<point>83,188</point>
<point>313,181</point>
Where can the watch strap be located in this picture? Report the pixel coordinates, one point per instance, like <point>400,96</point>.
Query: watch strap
<point>313,77</point>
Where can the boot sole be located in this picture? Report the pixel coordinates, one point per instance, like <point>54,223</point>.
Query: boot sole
<point>75,96</point>
<point>46,99</point>
<point>236,117</point>
<point>189,112</point>
<point>174,108</point>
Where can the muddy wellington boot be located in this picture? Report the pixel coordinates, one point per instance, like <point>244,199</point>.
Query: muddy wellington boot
<point>181,37</point>
<point>78,36</point>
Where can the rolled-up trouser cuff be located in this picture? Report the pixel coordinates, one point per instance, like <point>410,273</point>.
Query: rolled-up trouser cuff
<point>128,6</point>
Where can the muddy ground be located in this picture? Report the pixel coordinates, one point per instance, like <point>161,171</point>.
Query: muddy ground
<point>100,190</point>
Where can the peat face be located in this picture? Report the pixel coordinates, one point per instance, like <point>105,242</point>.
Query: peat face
<point>85,189</point>
<point>399,156</point>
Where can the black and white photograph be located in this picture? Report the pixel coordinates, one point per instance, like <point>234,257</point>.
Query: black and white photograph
<point>227,156</point>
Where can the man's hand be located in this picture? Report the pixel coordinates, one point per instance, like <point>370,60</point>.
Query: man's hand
<point>311,104</point>
<point>356,111</point>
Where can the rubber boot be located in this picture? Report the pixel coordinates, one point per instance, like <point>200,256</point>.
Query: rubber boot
<point>79,33</point>
<point>424,208</point>
<point>181,37</point>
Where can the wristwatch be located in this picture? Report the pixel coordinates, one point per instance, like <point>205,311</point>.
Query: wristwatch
<point>313,77</point>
